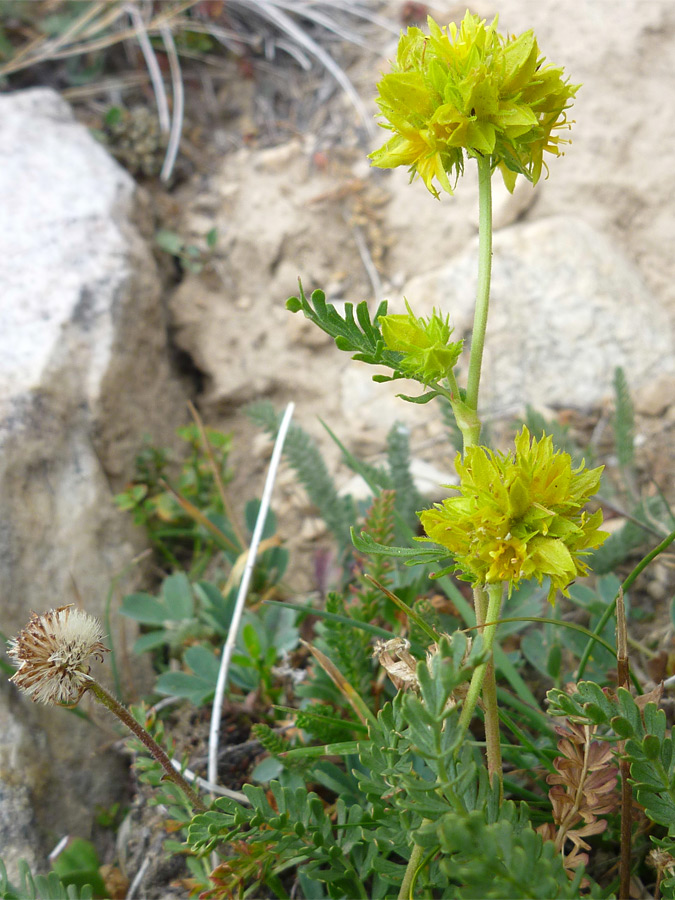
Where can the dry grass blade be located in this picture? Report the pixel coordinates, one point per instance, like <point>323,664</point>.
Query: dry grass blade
<point>215,469</point>
<point>23,56</point>
<point>153,67</point>
<point>228,648</point>
<point>286,24</point>
<point>308,11</point>
<point>362,12</point>
<point>198,516</point>
<point>47,51</point>
<point>178,104</point>
<point>341,683</point>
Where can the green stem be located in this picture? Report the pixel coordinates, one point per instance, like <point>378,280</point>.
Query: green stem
<point>493,746</point>
<point>466,417</point>
<point>482,600</point>
<point>478,678</point>
<point>125,716</point>
<point>469,424</point>
<point>413,864</point>
<point>484,270</point>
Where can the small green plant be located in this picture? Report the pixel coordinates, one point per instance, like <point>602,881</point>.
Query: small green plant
<point>191,257</point>
<point>465,93</point>
<point>186,519</point>
<point>421,762</point>
<point>36,887</point>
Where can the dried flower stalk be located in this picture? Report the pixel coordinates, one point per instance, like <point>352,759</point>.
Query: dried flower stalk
<point>53,654</point>
<point>401,666</point>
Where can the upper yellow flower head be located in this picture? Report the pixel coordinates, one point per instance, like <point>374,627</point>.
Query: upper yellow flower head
<point>519,515</point>
<point>471,90</point>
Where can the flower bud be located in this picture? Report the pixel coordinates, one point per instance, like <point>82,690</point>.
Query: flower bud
<point>428,353</point>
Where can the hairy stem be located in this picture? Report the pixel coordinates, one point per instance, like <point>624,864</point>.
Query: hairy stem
<point>483,290</point>
<point>413,864</point>
<point>123,714</point>
<point>622,670</point>
<point>485,675</point>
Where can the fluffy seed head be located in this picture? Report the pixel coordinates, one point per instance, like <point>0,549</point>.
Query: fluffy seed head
<point>53,653</point>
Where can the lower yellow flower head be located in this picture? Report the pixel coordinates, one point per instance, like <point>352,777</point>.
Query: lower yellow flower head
<point>53,654</point>
<point>518,516</point>
<point>471,91</point>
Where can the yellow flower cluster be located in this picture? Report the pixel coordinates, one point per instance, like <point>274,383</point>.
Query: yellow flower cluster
<point>471,90</point>
<point>519,516</point>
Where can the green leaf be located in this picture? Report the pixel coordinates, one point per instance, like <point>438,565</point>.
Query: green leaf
<point>203,662</point>
<point>651,746</point>
<point>181,684</point>
<point>554,661</point>
<point>343,748</point>
<point>655,720</point>
<point>150,641</point>
<point>360,336</point>
<point>78,865</point>
<point>411,556</point>
<point>624,421</point>
<point>659,808</point>
<point>169,241</point>
<point>622,727</point>
<point>144,608</point>
<point>252,641</point>
<point>630,711</point>
<point>177,593</point>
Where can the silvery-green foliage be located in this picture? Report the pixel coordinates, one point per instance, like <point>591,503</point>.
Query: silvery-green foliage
<point>38,887</point>
<point>417,778</point>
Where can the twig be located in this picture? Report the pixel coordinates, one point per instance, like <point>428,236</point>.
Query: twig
<point>368,263</point>
<point>178,104</point>
<point>228,649</point>
<point>133,887</point>
<point>622,669</point>
<point>205,785</point>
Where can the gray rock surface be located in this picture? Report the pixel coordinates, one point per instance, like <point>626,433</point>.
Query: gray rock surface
<point>84,373</point>
<point>566,308</point>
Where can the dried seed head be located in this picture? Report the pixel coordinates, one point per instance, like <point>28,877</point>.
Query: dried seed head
<point>53,653</point>
<point>394,656</point>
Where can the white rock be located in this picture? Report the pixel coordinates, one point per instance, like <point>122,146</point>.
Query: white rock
<point>656,396</point>
<point>566,308</point>
<point>429,480</point>
<point>84,373</point>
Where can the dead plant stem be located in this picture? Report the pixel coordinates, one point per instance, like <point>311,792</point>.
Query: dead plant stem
<point>622,667</point>
<point>123,714</point>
